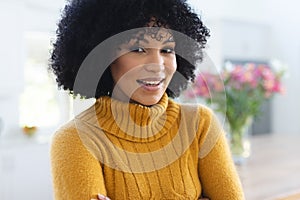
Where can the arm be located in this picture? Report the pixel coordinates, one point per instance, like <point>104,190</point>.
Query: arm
<point>217,172</point>
<point>218,175</point>
<point>76,173</point>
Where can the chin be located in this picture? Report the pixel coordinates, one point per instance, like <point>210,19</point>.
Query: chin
<point>147,100</point>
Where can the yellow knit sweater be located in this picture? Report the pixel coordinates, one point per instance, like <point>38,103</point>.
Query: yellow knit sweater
<point>129,151</point>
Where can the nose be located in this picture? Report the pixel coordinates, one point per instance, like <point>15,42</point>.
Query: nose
<point>155,62</point>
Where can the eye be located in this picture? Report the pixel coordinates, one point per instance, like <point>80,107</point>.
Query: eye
<point>137,49</point>
<point>168,50</point>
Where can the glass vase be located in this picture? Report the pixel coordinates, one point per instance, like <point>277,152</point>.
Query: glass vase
<point>239,140</point>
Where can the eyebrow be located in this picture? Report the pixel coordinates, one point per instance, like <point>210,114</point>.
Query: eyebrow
<point>147,41</point>
<point>142,39</point>
<point>168,41</point>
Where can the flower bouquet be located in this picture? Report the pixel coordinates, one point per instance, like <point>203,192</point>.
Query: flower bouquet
<point>238,93</point>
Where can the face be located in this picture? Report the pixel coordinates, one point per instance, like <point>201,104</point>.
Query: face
<point>144,68</point>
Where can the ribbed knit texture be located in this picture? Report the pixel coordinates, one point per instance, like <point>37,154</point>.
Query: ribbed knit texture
<point>129,151</point>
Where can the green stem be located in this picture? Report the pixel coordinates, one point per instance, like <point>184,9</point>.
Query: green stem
<point>236,142</point>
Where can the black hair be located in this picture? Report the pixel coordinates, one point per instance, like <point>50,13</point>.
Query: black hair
<point>86,23</point>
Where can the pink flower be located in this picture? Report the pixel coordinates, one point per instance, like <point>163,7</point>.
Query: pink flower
<point>268,85</point>
<point>254,80</point>
<point>278,88</point>
<point>218,86</point>
<point>200,86</point>
<point>268,74</point>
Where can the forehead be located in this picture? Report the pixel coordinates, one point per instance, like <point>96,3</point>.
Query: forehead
<point>156,33</point>
<point>152,35</point>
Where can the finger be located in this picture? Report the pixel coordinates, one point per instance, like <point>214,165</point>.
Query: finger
<point>102,197</point>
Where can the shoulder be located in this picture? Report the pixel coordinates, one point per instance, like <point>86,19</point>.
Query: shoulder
<point>67,133</point>
<point>204,113</point>
<point>76,140</point>
<point>209,128</point>
<point>208,117</point>
<point>199,115</point>
<point>66,140</point>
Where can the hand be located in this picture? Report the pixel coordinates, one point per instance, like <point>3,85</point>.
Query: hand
<point>101,197</point>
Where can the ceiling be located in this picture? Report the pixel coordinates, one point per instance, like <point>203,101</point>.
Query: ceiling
<point>50,5</point>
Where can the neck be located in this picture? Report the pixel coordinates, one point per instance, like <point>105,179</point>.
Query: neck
<point>133,121</point>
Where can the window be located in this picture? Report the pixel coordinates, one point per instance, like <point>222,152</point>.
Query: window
<point>41,104</point>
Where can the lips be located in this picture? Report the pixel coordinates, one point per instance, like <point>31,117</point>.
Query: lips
<point>151,83</point>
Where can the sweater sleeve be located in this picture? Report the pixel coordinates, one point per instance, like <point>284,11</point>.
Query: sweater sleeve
<point>76,173</point>
<point>217,172</point>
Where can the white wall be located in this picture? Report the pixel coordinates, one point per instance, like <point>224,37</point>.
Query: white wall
<point>18,18</point>
<point>12,57</point>
<point>24,161</point>
<point>283,17</point>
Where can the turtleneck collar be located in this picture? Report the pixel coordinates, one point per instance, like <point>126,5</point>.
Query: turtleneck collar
<point>132,121</point>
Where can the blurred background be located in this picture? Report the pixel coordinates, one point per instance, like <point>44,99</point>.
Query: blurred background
<point>31,107</point>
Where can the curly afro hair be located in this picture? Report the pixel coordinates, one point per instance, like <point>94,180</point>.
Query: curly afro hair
<point>86,23</point>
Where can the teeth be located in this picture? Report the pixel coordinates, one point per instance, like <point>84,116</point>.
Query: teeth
<point>149,82</point>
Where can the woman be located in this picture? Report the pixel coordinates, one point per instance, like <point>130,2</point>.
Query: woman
<point>132,56</point>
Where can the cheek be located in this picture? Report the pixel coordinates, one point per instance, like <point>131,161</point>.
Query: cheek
<point>118,68</point>
<point>172,66</point>
<point>123,71</point>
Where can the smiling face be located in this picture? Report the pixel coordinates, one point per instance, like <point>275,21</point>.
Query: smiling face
<point>144,68</point>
